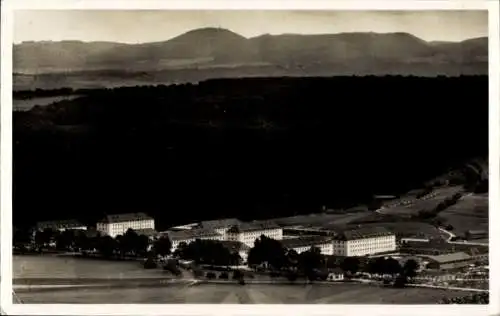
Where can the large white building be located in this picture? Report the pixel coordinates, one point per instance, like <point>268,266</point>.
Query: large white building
<point>190,235</point>
<point>364,241</point>
<point>118,224</point>
<point>303,244</point>
<point>247,233</point>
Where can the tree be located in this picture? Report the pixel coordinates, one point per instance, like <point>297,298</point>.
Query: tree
<point>162,246</point>
<point>181,249</point>
<point>21,236</point>
<point>106,246</point>
<point>310,260</point>
<point>130,242</point>
<point>82,242</point>
<point>44,237</point>
<point>65,240</point>
<point>392,266</point>
<point>292,258</point>
<point>237,275</point>
<point>350,264</point>
<point>207,252</point>
<point>150,263</point>
<point>142,245</point>
<point>267,250</point>
<point>410,268</point>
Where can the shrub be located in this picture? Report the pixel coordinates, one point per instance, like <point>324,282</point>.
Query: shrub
<point>237,274</point>
<point>150,264</point>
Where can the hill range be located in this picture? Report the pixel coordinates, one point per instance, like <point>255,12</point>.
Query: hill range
<point>216,53</point>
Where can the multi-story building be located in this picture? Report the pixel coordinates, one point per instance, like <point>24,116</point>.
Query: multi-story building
<point>118,224</point>
<point>247,233</point>
<point>188,236</point>
<point>364,241</point>
<point>305,243</point>
<point>220,225</point>
<point>61,225</point>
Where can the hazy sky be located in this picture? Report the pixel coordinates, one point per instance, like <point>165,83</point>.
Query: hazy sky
<point>149,26</point>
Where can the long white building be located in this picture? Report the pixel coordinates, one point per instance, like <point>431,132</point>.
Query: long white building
<point>190,235</point>
<point>364,241</point>
<point>118,224</point>
<point>248,232</point>
<point>303,244</point>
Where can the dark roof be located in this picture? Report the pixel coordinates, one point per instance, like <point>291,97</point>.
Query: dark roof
<point>67,223</point>
<point>146,232</point>
<point>299,220</point>
<point>191,233</point>
<point>220,223</point>
<point>304,241</point>
<point>235,245</point>
<point>368,232</point>
<point>117,218</point>
<point>450,257</point>
<point>253,226</point>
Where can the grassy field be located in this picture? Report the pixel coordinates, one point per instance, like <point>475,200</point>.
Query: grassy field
<point>248,294</point>
<point>408,229</point>
<point>37,267</point>
<point>25,105</point>
<point>414,205</point>
<point>50,266</point>
<point>471,212</point>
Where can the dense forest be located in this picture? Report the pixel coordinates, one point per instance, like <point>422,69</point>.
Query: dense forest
<point>249,148</point>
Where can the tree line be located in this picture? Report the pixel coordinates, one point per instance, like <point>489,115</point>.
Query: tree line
<point>243,148</point>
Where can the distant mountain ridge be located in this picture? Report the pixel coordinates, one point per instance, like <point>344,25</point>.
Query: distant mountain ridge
<point>216,47</point>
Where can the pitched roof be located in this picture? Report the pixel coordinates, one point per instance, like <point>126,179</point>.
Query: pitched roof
<point>305,241</point>
<point>253,226</point>
<point>220,223</point>
<point>128,217</point>
<point>190,234</point>
<point>362,233</point>
<point>57,224</point>
<point>146,232</point>
<point>450,257</point>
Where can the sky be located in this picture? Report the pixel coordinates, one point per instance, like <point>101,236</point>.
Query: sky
<point>129,26</point>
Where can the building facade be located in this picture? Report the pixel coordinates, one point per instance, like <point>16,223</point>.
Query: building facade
<point>362,242</point>
<point>189,236</point>
<point>247,233</point>
<point>118,224</point>
<point>303,244</point>
<point>221,226</point>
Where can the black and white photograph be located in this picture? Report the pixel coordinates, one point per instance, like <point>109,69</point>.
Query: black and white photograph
<point>252,156</point>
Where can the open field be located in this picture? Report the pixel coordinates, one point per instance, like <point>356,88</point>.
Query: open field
<point>248,294</point>
<point>408,229</point>
<point>25,105</point>
<point>51,266</point>
<point>411,205</point>
<point>471,212</point>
